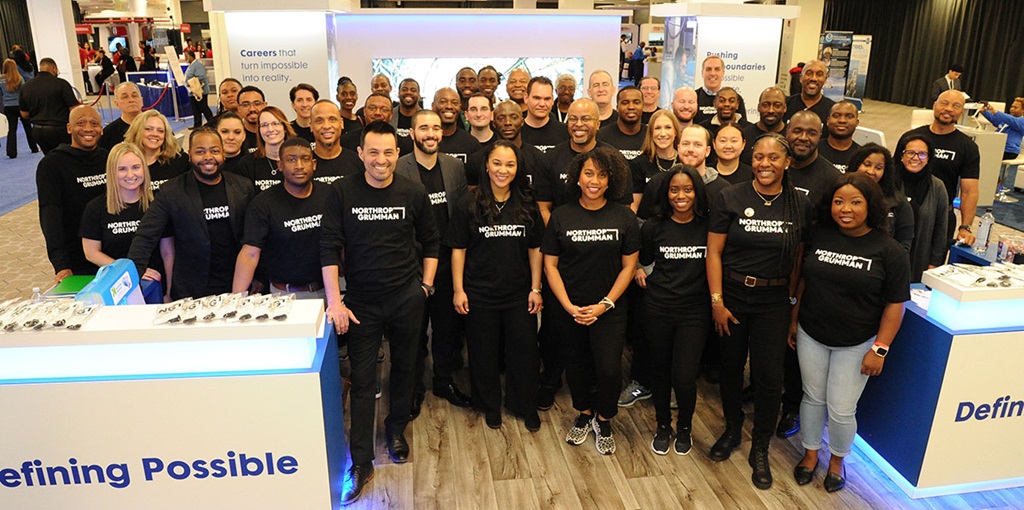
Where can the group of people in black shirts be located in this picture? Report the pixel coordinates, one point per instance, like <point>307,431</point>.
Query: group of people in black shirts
<point>610,228</point>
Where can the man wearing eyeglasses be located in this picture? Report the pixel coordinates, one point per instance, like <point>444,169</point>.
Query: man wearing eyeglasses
<point>541,129</point>
<point>956,163</point>
<point>378,106</point>
<point>565,93</point>
<point>250,103</point>
<point>650,86</point>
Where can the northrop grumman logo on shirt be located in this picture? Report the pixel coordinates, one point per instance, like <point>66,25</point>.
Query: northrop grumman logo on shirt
<point>764,226</point>
<point>91,181</point>
<point>945,154</point>
<point>304,223</point>
<point>123,227</point>
<point>379,213</point>
<point>805,191</point>
<point>630,154</point>
<point>265,184</point>
<point>683,252</point>
<point>503,231</point>
<point>217,213</point>
<point>842,259</point>
<point>438,198</point>
<point>156,184</point>
<point>593,235</point>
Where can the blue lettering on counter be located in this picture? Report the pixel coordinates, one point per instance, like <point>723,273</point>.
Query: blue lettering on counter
<point>1001,408</point>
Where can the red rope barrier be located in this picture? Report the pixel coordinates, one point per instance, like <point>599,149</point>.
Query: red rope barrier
<point>103,91</point>
<point>162,94</point>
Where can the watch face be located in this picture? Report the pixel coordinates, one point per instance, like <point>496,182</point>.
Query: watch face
<point>881,351</point>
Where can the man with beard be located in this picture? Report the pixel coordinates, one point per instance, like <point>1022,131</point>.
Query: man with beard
<point>128,99</point>
<point>250,103</point>
<point>650,86</point>
<point>518,78</point>
<point>600,88</point>
<point>771,106</point>
<point>838,146</point>
<point>812,80</point>
<point>508,121</point>
<point>302,97</point>
<point>67,178</point>
<point>479,116</point>
<point>684,106</point>
<point>204,211</point>
<point>712,72</point>
<point>445,180</point>
<point>727,103</point>
<point>956,161</point>
<point>408,104</point>
<point>465,82</point>
<point>377,107</point>
<point>810,173</point>
<point>565,89</point>
<point>456,142</point>
<point>333,161</point>
<point>627,134</point>
<point>541,129</point>
<point>694,149</point>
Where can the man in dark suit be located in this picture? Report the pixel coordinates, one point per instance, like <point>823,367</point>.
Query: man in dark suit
<point>950,81</point>
<point>204,211</point>
<point>445,180</point>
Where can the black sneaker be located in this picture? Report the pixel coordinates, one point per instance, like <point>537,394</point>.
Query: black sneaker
<point>545,399</point>
<point>683,441</point>
<point>580,430</point>
<point>662,439</point>
<point>532,422</point>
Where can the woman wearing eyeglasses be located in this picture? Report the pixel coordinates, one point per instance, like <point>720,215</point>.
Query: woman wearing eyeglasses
<point>262,165</point>
<point>928,200</point>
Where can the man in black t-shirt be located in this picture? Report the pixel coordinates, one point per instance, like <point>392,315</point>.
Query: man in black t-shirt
<point>333,161</point>
<point>465,82</point>
<point>627,134</point>
<point>384,225</point>
<point>810,173</point>
<point>204,211</point>
<point>47,100</point>
<point>516,86</point>
<point>541,129</point>
<point>456,142</point>
<point>727,103</point>
<point>838,146</point>
<point>771,107</point>
<point>408,104</point>
<point>128,99</point>
<point>712,72</point>
<point>377,108</point>
<point>508,121</point>
<point>479,116</point>
<point>812,81</point>
<point>650,86</point>
<point>565,92</point>
<point>684,106</point>
<point>250,103</point>
<point>303,96</point>
<point>601,89</point>
<point>445,180</point>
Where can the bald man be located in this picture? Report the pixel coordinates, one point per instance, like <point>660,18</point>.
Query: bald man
<point>812,82</point>
<point>67,178</point>
<point>455,141</point>
<point>128,99</point>
<point>684,105</point>
<point>771,107</point>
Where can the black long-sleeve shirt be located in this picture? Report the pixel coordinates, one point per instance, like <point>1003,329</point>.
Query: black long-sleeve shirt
<point>67,179</point>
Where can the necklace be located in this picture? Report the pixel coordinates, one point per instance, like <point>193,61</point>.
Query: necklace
<point>500,207</point>
<point>273,170</point>
<point>657,160</point>
<point>767,203</point>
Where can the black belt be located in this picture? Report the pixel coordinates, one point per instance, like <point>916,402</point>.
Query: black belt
<point>288,287</point>
<point>753,281</point>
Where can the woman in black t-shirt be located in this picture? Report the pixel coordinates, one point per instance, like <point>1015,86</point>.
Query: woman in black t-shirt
<point>677,314</point>
<point>855,279</point>
<point>754,239</point>
<point>729,145</point>
<point>590,253</point>
<point>262,165</point>
<point>232,133</point>
<point>658,152</point>
<point>495,237</point>
<point>347,97</point>
<point>151,132</point>
<point>876,161</point>
<point>109,221</point>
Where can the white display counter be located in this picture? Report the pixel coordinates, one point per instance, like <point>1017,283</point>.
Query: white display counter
<point>127,415</point>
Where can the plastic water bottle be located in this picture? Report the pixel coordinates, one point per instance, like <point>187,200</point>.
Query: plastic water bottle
<point>984,231</point>
<point>37,296</point>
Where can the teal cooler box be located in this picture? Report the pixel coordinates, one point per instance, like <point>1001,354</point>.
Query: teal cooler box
<point>115,284</point>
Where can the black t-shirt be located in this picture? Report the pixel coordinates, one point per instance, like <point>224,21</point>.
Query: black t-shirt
<point>113,133</point>
<point>459,145</point>
<point>345,165</point>
<point>113,231</point>
<point>795,103</point>
<point>839,159</point>
<point>849,281</point>
<point>650,199</point>
<point>590,246</point>
<point>678,284</point>
<point>743,173</point>
<point>223,245</point>
<point>628,145</point>
<point>533,163</point>
<point>231,163</point>
<point>504,245</point>
<point>706,106</point>
<point>610,120</point>
<point>160,173</point>
<point>642,169</point>
<point>433,181</point>
<point>645,117</point>
<point>304,132</point>
<point>351,140</point>
<point>547,136</point>
<point>48,100</point>
<point>249,145</point>
<point>350,125</point>
<point>956,157</point>
<point>262,172</point>
<point>287,231</point>
<point>750,135</point>
<point>814,180</point>
<point>553,186</point>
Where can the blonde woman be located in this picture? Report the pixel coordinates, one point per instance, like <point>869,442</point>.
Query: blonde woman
<point>151,133</point>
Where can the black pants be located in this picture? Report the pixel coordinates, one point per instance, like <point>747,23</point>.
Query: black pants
<point>640,369</point>
<point>49,137</point>
<point>85,78</point>
<point>675,343</point>
<point>762,330</point>
<point>398,314</point>
<point>441,317</point>
<point>13,116</point>
<point>200,106</point>
<point>549,345</point>
<point>793,383</point>
<point>522,365</point>
<point>100,78</point>
<point>593,359</point>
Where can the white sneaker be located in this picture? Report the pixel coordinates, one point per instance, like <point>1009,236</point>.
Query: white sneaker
<point>580,430</point>
<point>603,437</point>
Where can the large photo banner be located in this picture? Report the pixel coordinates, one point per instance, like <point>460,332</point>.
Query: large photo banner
<point>834,51</point>
<point>860,55</point>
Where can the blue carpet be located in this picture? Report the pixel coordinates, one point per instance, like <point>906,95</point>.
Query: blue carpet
<point>1010,215</point>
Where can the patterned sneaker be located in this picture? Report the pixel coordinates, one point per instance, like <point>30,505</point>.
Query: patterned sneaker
<point>683,441</point>
<point>633,392</point>
<point>603,437</point>
<point>580,430</point>
<point>662,439</point>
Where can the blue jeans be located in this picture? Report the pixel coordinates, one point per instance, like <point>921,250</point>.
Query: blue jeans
<point>831,377</point>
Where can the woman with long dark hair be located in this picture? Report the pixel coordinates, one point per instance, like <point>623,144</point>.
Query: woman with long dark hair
<point>729,145</point>
<point>495,237</point>
<point>231,129</point>
<point>876,161</point>
<point>590,253</point>
<point>928,200</point>
<point>677,310</point>
<point>754,241</point>
<point>856,275</point>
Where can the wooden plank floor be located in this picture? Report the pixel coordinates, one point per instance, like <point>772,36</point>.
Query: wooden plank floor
<point>457,462</point>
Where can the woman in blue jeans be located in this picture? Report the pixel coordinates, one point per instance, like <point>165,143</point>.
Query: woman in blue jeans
<point>855,279</point>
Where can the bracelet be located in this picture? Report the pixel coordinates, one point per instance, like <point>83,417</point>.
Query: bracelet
<point>535,291</point>
<point>965,227</point>
<point>880,344</point>
<point>716,297</point>
<point>608,303</point>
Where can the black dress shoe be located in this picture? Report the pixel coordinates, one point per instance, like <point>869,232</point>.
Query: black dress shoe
<point>803,475</point>
<point>723,448</point>
<point>358,476</point>
<point>417,405</point>
<point>762,473</point>
<point>493,419</point>
<point>398,447</point>
<point>532,422</point>
<point>789,424</point>
<point>451,393</point>
<point>834,482</point>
